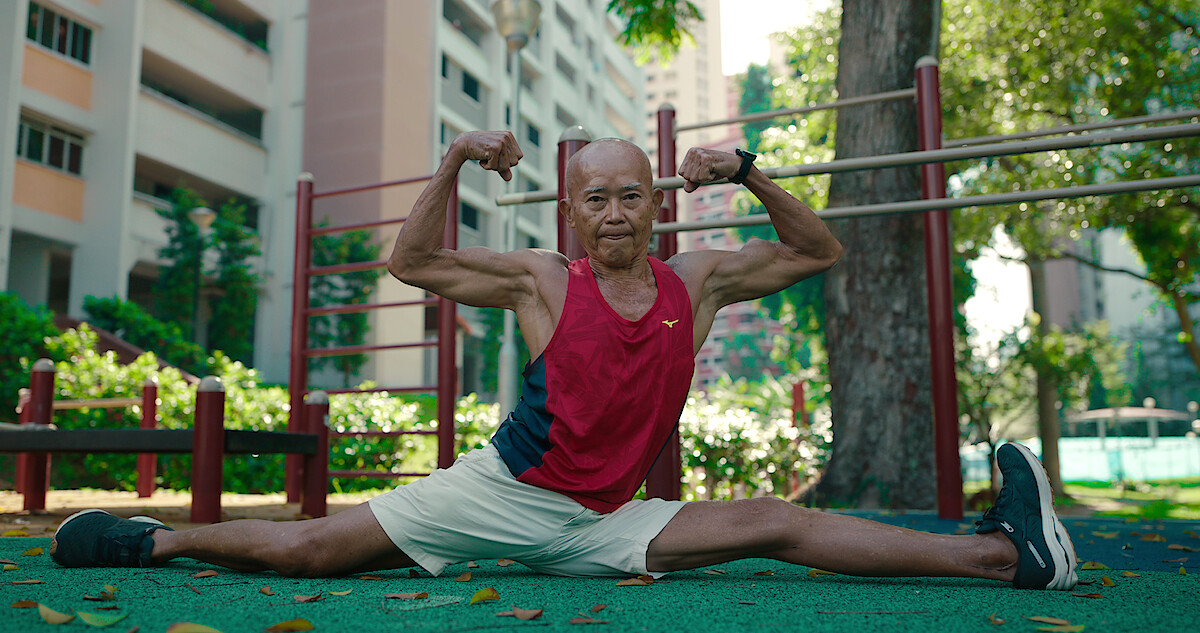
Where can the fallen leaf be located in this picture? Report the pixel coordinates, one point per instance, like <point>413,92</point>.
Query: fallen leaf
<point>746,602</point>
<point>1182,571</point>
<point>24,604</point>
<point>583,619</point>
<point>1107,582</point>
<point>472,564</point>
<point>10,567</point>
<point>407,596</point>
<point>103,597</point>
<point>190,627</point>
<point>714,572</point>
<point>505,614</point>
<point>291,626</point>
<point>632,582</point>
<point>598,608</point>
<point>1091,564</point>
<point>504,562</point>
<point>487,594</point>
<point>1105,534</point>
<point>1045,619</point>
<point>464,578</point>
<point>101,619</point>
<point>108,608</point>
<point>340,593</point>
<point>995,620</point>
<point>1189,533</point>
<point>765,572</point>
<point>34,551</point>
<point>412,573</point>
<point>1156,538</point>
<point>1128,574</point>
<point>526,614</point>
<point>1088,595</point>
<point>266,591</point>
<point>53,617</point>
<point>1177,560</point>
<point>5,561</point>
<point>1182,548</point>
<point>28,582</point>
<point>208,573</point>
<point>814,572</point>
<point>369,578</point>
<point>1065,628</point>
<point>315,598</point>
<point>15,533</point>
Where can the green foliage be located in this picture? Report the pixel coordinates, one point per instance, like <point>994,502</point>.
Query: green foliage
<point>21,341</point>
<point>755,97</point>
<point>130,322</point>
<point>489,348</point>
<point>175,290</point>
<point>336,330</point>
<point>655,27</point>
<point>231,326</point>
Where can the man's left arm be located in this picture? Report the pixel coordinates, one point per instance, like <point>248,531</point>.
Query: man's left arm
<point>805,246</point>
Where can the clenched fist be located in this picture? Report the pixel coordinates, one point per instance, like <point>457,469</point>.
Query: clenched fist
<point>701,166</point>
<point>495,151</point>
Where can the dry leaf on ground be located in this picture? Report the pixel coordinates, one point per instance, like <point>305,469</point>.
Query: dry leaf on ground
<point>341,593</point>
<point>101,619</point>
<point>1045,619</point>
<point>1155,538</point>
<point>765,572</point>
<point>407,596</point>
<point>1182,548</point>
<point>315,598</point>
<point>33,551</point>
<point>463,578</point>
<point>24,604</point>
<point>487,594</point>
<point>632,582</point>
<point>412,573</point>
<point>11,533</point>
<point>598,608</point>
<point>521,614</point>
<point>5,561</point>
<point>1107,582</point>
<point>266,591</point>
<point>1177,560</point>
<point>53,617</point>
<point>1091,564</point>
<point>28,582</point>
<point>1063,628</point>
<point>813,573</point>
<point>715,572</point>
<point>10,567</point>
<point>1182,572</point>
<point>291,626</point>
<point>208,573</point>
<point>505,562</point>
<point>190,627</point>
<point>583,619</point>
<point>472,564</point>
<point>995,620</point>
<point>1088,595</point>
<point>1105,534</point>
<point>1128,574</point>
<point>369,578</point>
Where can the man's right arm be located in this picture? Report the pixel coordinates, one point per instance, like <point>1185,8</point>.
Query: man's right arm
<point>475,276</point>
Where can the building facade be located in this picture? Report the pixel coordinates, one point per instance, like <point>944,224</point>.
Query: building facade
<point>390,85</point>
<point>110,105</point>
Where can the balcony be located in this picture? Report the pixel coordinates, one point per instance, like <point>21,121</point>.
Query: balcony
<point>183,138</point>
<point>189,39</point>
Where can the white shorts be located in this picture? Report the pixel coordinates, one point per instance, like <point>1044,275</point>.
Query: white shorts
<point>477,510</point>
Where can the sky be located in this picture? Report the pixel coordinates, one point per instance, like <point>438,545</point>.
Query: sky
<point>1002,296</point>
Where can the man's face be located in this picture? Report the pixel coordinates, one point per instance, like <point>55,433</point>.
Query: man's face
<point>611,202</point>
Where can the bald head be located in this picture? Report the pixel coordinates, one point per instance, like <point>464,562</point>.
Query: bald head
<point>603,156</point>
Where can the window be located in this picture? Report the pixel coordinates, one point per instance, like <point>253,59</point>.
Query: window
<point>51,146</point>
<point>445,67</point>
<point>534,136</point>
<point>469,216</point>
<point>470,85</point>
<point>59,33</point>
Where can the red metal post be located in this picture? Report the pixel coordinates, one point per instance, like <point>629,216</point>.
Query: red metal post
<point>668,243</point>
<point>663,480</point>
<point>41,411</point>
<point>298,367</point>
<point>316,466</point>
<point>572,140</point>
<point>799,413</point>
<point>147,462</point>
<point>23,412</point>
<point>941,298</point>
<point>208,451</point>
<point>447,362</point>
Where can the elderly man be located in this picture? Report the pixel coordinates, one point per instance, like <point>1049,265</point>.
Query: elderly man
<point>613,337</point>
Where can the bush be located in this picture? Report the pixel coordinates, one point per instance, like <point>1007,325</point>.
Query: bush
<point>22,340</point>
<point>133,324</point>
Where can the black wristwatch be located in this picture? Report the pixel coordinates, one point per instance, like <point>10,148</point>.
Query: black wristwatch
<point>747,160</point>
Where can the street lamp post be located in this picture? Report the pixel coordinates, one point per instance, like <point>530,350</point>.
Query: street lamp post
<point>516,21</point>
<point>203,218</point>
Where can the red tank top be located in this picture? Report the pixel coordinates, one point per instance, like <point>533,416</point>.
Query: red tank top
<point>599,404</point>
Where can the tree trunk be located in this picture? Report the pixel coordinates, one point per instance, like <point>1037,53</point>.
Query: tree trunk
<point>1186,326</point>
<point>878,328</point>
<point>1047,390</point>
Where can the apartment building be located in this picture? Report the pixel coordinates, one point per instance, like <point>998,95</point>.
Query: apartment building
<point>392,82</point>
<point>110,104</point>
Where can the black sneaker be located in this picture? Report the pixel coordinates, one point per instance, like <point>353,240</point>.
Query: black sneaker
<point>95,538</point>
<point>1024,512</point>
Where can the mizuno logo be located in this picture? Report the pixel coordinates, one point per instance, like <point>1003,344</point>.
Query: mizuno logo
<point>671,324</point>
<point>1008,528</point>
<point>1035,554</point>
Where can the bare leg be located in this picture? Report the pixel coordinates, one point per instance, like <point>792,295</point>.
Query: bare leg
<point>712,532</point>
<point>348,542</point>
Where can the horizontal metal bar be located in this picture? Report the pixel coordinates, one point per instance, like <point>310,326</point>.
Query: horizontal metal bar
<point>907,93</point>
<point>151,441</point>
<point>363,307</point>
<point>937,156</point>
<point>98,403</point>
<point>379,433</point>
<point>325,230</point>
<point>418,389</point>
<point>1069,129</point>
<point>378,185</point>
<point>347,350</point>
<point>346,268</point>
<point>911,206</point>
<point>377,474</point>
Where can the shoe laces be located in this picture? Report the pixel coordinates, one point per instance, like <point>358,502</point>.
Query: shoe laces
<point>123,549</point>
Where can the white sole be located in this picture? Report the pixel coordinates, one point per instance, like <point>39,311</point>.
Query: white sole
<point>1052,531</point>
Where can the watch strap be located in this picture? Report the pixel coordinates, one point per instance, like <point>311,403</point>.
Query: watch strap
<point>743,171</point>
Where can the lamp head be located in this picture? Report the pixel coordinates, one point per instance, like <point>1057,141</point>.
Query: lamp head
<point>202,217</point>
<point>517,21</point>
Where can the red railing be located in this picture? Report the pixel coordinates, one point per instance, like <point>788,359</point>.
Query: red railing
<point>313,417</point>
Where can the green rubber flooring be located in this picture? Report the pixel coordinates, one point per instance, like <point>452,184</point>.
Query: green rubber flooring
<point>1160,597</point>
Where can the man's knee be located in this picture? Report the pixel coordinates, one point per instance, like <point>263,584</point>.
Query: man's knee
<point>770,518</point>
<point>304,553</point>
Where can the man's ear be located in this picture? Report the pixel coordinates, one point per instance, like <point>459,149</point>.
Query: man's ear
<point>564,207</point>
<point>657,198</point>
